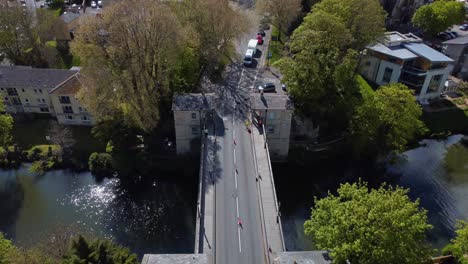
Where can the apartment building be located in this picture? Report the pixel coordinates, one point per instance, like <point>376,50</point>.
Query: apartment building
<point>190,112</point>
<point>457,49</point>
<point>43,91</point>
<point>406,59</point>
<point>275,112</point>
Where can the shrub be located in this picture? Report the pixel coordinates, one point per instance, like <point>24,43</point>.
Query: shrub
<point>100,164</point>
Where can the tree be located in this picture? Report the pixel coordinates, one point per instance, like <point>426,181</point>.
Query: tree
<point>365,225</point>
<point>127,65</point>
<point>459,246</point>
<point>214,24</point>
<point>439,15</point>
<point>386,121</point>
<point>98,251</point>
<point>283,12</point>
<point>363,19</point>
<point>62,136</point>
<point>100,164</point>
<point>6,126</point>
<point>5,248</point>
<point>23,40</point>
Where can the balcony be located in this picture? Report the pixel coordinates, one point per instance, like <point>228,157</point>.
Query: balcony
<point>64,100</point>
<point>414,71</point>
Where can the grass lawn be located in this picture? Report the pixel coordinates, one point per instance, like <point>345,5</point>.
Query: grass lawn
<point>453,120</point>
<point>276,47</point>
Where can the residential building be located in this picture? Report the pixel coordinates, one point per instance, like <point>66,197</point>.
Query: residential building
<point>275,112</point>
<point>31,90</point>
<point>404,58</point>
<point>190,112</point>
<point>457,49</point>
<point>67,108</point>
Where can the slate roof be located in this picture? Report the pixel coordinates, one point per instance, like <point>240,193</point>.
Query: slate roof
<point>394,51</point>
<point>32,78</point>
<point>175,259</point>
<point>270,101</point>
<point>70,86</point>
<point>457,41</point>
<point>193,102</point>
<point>302,257</point>
<point>427,52</point>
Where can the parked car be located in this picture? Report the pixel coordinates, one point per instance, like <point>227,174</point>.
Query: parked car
<point>464,27</point>
<point>267,88</point>
<point>261,32</point>
<point>259,39</point>
<point>444,36</point>
<point>451,34</point>
<point>23,3</point>
<point>454,33</point>
<point>284,87</point>
<point>99,3</point>
<point>93,4</point>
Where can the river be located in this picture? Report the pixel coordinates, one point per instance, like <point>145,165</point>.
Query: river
<point>436,172</point>
<point>158,216</point>
<point>148,217</point>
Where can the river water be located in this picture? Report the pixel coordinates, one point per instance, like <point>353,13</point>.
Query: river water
<point>151,217</point>
<point>436,172</point>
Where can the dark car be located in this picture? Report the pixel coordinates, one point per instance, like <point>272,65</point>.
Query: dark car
<point>267,88</point>
<point>464,27</point>
<point>444,36</point>
<point>261,32</point>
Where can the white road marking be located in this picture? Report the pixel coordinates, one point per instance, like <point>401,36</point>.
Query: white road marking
<point>237,206</point>
<point>235,157</point>
<point>235,177</point>
<point>240,245</point>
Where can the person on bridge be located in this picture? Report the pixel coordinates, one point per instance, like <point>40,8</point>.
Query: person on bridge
<point>239,222</point>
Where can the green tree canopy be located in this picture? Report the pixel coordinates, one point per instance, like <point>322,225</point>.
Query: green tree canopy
<point>5,248</point>
<point>365,225</point>
<point>459,246</point>
<point>386,121</point>
<point>320,73</point>
<point>98,251</point>
<point>439,15</point>
<point>6,126</point>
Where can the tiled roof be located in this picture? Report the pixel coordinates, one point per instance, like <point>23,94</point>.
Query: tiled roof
<point>193,102</point>
<point>270,101</point>
<point>32,78</point>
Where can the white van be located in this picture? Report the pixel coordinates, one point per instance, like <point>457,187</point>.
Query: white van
<point>248,58</point>
<point>253,45</point>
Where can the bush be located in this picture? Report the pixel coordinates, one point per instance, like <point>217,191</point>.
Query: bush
<point>41,166</point>
<point>100,164</point>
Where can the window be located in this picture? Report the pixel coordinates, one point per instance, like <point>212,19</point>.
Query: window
<point>35,90</point>
<point>271,115</point>
<point>16,101</point>
<point>434,83</point>
<point>23,90</point>
<point>43,100</point>
<point>194,115</point>
<point>84,118</point>
<point>64,99</point>
<point>6,98</point>
<point>44,109</point>
<point>195,130</point>
<point>2,89</point>
<point>270,129</point>
<point>40,90</point>
<point>67,109</point>
<point>38,100</point>
<point>12,91</point>
<point>27,100</point>
<point>69,117</point>
<point>387,76</point>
